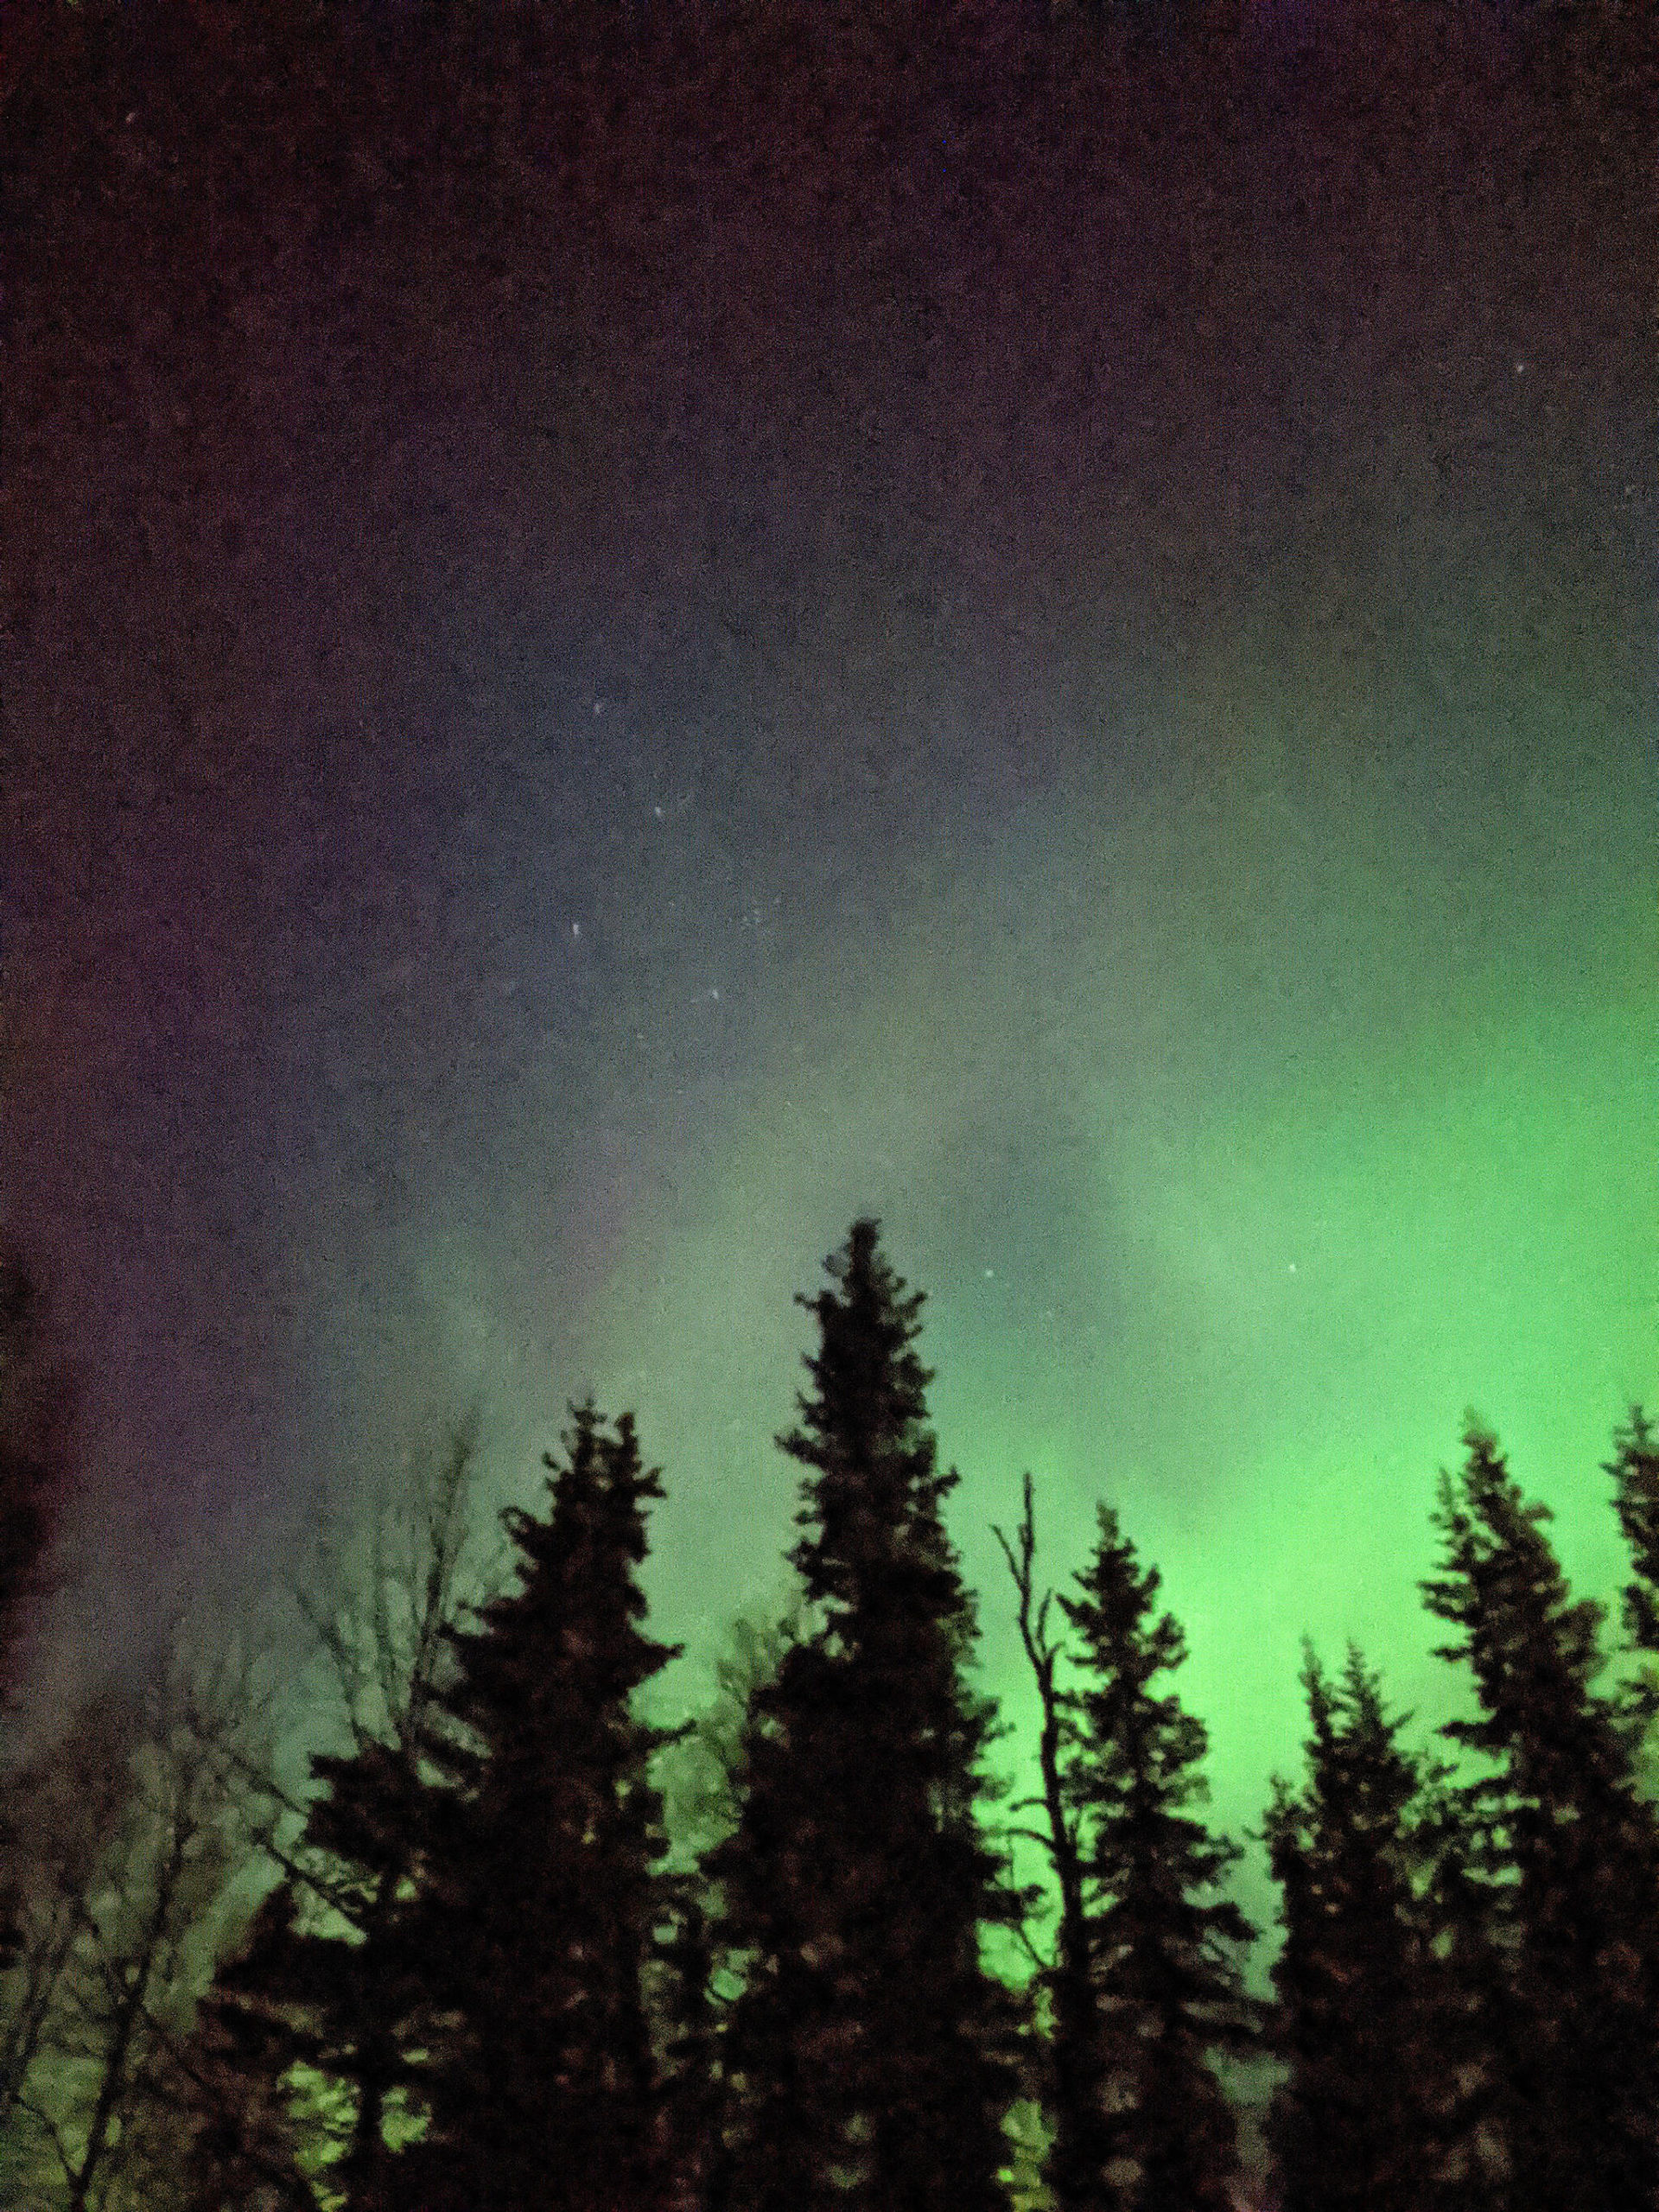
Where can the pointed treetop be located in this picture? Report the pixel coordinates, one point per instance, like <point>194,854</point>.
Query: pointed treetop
<point>1115,1611</point>
<point>871,1505</point>
<point>870,1386</point>
<point>1359,1780</point>
<point>1135,1752</point>
<point>1528,1640</point>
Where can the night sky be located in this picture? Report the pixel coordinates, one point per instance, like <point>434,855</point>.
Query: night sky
<point>1058,649</point>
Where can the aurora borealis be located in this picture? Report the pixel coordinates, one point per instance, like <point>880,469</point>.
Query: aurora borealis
<point>1058,651</point>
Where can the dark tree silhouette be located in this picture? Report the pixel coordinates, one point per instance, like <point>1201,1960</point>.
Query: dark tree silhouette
<point>1080,2147</point>
<point>241,2134</point>
<point>331,1976</point>
<point>1560,1812</point>
<point>125,1941</point>
<point>1463,1903</point>
<point>1373,2113</point>
<point>703,1779</point>
<point>686,2019</point>
<point>34,1481</point>
<point>542,1882</point>
<point>1164,1949</point>
<point>871,2053</point>
<point>73,1798</point>
<point>1635,1469</point>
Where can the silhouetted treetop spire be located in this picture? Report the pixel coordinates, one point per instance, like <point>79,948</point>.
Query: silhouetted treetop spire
<point>873,2051</point>
<point>871,1505</point>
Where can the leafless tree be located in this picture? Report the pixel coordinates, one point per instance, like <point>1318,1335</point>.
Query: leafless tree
<point>382,1587</point>
<point>384,1582</point>
<point>135,1848</point>
<point>72,1798</point>
<point>1066,1980</point>
<point>154,1827</point>
<point>700,1772</point>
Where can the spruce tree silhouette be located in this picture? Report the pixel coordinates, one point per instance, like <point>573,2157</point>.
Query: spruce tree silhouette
<point>1560,1816</point>
<point>543,1847</point>
<point>686,2021</point>
<point>1371,2023</point>
<point>331,1977</point>
<point>870,2052</point>
<point>242,2136</point>
<point>1165,1949</point>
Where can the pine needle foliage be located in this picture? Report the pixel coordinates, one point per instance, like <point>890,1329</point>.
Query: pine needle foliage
<point>1373,2114</point>
<point>871,2052</point>
<point>543,1841</point>
<point>1559,1810</point>
<point>1166,1947</point>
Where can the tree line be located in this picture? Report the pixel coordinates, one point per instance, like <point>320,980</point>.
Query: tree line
<point>509,1943</point>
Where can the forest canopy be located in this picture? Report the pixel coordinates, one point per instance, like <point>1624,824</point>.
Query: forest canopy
<point>510,1944</point>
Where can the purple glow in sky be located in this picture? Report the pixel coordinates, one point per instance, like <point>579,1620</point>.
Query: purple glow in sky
<point>938,621</point>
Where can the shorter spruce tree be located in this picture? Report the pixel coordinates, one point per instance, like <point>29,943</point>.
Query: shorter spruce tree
<point>1166,1947</point>
<point>1375,2112</point>
<point>543,1840</point>
<point>1570,1843</point>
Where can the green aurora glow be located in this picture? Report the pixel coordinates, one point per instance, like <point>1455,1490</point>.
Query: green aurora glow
<point>1239,1150</point>
<point>1086,687</point>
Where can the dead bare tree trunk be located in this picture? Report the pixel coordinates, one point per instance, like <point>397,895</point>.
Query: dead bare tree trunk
<point>1076,2072</point>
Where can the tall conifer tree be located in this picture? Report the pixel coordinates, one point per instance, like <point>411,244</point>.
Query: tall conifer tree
<point>870,2052</point>
<point>544,1848</point>
<point>685,2021</point>
<point>1165,1948</point>
<point>1561,1813</point>
<point>1372,2116</point>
